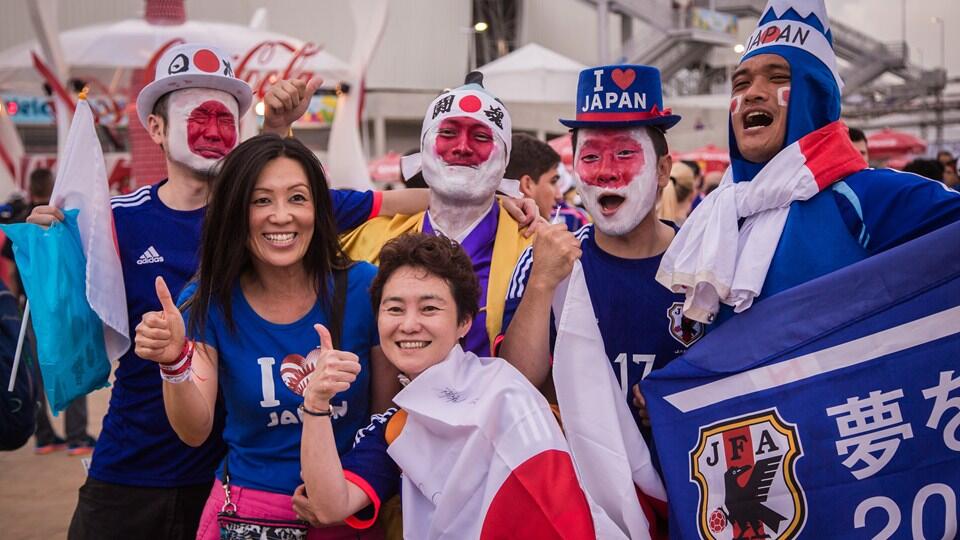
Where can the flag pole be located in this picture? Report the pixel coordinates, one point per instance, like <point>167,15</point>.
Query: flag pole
<point>20,338</point>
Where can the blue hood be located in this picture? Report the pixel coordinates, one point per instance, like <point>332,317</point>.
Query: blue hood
<point>814,94</point>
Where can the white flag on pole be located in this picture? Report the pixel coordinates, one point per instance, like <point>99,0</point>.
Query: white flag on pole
<point>82,184</point>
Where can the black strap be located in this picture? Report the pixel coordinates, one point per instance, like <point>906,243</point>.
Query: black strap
<point>339,306</point>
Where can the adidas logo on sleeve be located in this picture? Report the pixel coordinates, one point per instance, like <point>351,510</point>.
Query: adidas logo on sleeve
<point>150,256</point>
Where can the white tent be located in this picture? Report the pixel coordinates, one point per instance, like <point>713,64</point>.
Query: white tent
<point>533,74</point>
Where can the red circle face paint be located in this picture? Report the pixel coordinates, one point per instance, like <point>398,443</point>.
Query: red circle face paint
<point>470,104</point>
<point>464,141</point>
<point>211,130</point>
<point>206,60</point>
<point>609,159</point>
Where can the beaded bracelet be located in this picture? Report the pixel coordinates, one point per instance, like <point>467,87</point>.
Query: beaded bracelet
<point>179,371</point>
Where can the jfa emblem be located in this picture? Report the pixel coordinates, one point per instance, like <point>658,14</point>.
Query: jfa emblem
<point>745,470</point>
<point>686,331</point>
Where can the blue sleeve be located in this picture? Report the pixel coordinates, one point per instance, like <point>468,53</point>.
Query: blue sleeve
<point>898,207</point>
<point>364,273</point>
<point>352,208</point>
<point>209,336</point>
<point>370,467</point>
<point>518,283</point>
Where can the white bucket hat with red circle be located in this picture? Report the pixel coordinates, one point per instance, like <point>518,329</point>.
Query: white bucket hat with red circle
<point>193,66</point>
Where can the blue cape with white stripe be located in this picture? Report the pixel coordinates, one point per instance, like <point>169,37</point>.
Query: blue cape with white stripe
<point>886,326</point>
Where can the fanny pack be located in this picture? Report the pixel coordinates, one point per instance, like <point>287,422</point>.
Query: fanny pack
<point>234,526</point>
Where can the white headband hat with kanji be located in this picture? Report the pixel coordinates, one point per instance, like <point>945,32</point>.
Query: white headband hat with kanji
<point>471,100</point>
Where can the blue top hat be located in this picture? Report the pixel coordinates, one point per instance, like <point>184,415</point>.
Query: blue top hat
<point>620,96</point>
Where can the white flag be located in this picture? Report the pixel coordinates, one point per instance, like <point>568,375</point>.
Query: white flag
<point>611,457</point>
<point>82,184</point>
<point>483,457</point>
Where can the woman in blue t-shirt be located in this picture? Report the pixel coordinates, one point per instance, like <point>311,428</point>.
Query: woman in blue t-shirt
<point>271,281</point>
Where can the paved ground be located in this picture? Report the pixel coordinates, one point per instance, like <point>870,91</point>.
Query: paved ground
<point>38,493</point>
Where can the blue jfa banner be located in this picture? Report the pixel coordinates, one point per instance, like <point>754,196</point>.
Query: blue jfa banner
<point>831,410</point>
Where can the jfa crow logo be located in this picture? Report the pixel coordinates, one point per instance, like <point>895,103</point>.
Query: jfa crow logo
<point>686,331</point>
<point>744,468</point>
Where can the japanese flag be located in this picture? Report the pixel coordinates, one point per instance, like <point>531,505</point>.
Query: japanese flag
<point>82,184</point>
<point>611,457</point>
<point>483,457</point>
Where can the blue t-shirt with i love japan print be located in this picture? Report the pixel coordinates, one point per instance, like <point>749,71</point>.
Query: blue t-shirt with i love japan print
<point>137,446</point>
<point>263,423</point>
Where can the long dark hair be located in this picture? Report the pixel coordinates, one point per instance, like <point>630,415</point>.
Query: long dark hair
<point>224,249</point>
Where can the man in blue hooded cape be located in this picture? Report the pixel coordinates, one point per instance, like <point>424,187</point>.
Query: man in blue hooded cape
<point>798,201</point>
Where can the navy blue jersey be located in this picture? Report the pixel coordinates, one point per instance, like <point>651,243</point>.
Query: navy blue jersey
<point>639,318</point>
<point>137,446</point>
<point>371,468</point>
<point>263,426</point>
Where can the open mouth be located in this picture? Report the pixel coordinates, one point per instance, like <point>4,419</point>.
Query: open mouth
<point>280,239</point>
<point>610,203</point>
<point>413,345</point>
<point>757,119</point>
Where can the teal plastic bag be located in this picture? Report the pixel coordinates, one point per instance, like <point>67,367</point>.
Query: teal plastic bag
<point>70,346</point>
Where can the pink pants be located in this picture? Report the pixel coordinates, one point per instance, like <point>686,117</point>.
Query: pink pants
<point>263,504</point>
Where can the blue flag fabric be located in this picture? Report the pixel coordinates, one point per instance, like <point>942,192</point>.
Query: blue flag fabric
<point>70,343</point>
<point>830,410</point>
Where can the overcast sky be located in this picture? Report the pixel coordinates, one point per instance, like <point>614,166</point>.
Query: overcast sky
<point>883,19</point>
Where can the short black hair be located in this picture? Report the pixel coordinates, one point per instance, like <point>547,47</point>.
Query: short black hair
<point>929,168</point>
<point>530,155</point>
<point>857,135</point>
<point>656,134</point>
<point>160,108</point>
<point>41,184</point>
<point>436,255</point>
<point>694,166</point>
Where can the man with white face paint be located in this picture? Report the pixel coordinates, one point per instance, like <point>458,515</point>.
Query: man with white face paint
<point>465,146</point>
<point>621,162</point>
<point>143,481</point>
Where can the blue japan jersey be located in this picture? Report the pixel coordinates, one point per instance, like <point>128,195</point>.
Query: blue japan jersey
<point>639,318</point>
<point>263,426</point>
<point>370,467</point>
<point>137,446</point>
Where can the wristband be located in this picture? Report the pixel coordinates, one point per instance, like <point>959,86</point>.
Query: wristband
<point>179,371</point>
<point>328,412</point>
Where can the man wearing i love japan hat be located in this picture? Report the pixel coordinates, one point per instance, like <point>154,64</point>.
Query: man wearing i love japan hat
<point>798,198</point>
<point>632,324</point>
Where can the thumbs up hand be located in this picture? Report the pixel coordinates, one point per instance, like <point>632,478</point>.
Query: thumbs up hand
<point>334,372</point>
<point>161,334</point>
<point>286,102</point>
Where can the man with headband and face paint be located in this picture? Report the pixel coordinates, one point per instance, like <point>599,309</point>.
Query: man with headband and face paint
<point>621,163</point>
<point>143,481</point>
<point>465,147</point>
<point>798,200</point>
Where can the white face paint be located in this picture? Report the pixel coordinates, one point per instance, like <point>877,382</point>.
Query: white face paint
<point>201,128</point>
<point>463,184</point>
<point>618,189</point>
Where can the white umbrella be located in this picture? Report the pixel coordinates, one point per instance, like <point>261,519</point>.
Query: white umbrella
<point>98,51</point>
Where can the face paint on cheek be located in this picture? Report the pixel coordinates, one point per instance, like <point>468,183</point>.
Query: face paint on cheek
<point>783,96</point>
<point>211,130</point>
<point>202,128</point>
<point>460,144</point>
<point>736,103</point>
<point>609,166</point>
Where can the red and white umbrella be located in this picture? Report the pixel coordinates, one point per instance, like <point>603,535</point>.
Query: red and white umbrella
<point>889,143</point>
<point>109,52</point>
<point>563,145</point>
<point>386,168</point>
<point>710,157</point>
